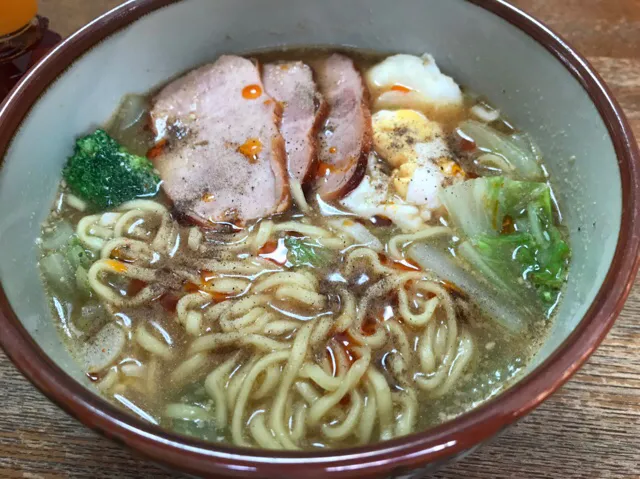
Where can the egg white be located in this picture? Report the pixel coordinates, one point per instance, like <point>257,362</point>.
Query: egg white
<point>374,197</point>
<point>409,81</point>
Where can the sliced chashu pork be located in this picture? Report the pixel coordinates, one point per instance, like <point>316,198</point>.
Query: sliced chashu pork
<point>292,84</point>
<point>223,158</point>
<point>345,141</point>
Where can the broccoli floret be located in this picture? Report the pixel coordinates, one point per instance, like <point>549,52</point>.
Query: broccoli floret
<point>105,174</point>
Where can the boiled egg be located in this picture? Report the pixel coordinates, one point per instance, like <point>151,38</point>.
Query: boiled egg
<point>421,164</point>
<point>409,81</point>
<point>417,150</point>
<point>374,196</point>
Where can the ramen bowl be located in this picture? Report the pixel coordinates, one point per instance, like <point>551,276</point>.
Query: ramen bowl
<point>520,65</point>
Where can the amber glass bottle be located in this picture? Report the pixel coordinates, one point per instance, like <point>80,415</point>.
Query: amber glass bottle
<point>24,39</point>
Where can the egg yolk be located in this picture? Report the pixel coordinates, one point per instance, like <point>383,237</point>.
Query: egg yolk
<point>395,135</point>
<point>450,167</point>
<point>402,177</point>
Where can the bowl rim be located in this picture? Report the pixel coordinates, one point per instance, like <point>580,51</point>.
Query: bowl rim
<point>402,454</point>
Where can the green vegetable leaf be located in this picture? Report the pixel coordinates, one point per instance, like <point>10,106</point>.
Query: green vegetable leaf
<point>199,424</point>
<point>66,268</point>
<point>77,255</point>
<point>199,429</point>
<point>306,252</point>
<point>480,206</point>
<point>194,393</point>
<point>517,154</point>
<point>511,235</point>
<point>82,281</point>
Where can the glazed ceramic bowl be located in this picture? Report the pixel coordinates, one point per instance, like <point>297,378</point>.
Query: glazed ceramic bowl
<point>521,66</point>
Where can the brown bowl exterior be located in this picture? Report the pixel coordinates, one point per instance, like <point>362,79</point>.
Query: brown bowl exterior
<point>408,457</point>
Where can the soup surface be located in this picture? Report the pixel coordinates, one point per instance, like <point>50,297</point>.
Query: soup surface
<point>307,249</point>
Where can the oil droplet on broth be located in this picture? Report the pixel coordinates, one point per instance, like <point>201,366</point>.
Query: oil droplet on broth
<point>401,88</point>
<point>117,266</point>
<point>251,92</point>
<point>275,251</point>
<point>325,169</point>
<point>251,149</point>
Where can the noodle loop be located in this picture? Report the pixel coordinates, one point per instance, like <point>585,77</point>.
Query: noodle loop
<point>305,362</point>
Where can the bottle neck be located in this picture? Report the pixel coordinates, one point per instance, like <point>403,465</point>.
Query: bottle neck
<point>18,43</point>
<point>12,70</point>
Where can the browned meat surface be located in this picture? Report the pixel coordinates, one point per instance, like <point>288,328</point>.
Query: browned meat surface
<point>345,139</point>
<point>223,157</point>
<point>304,109</point>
